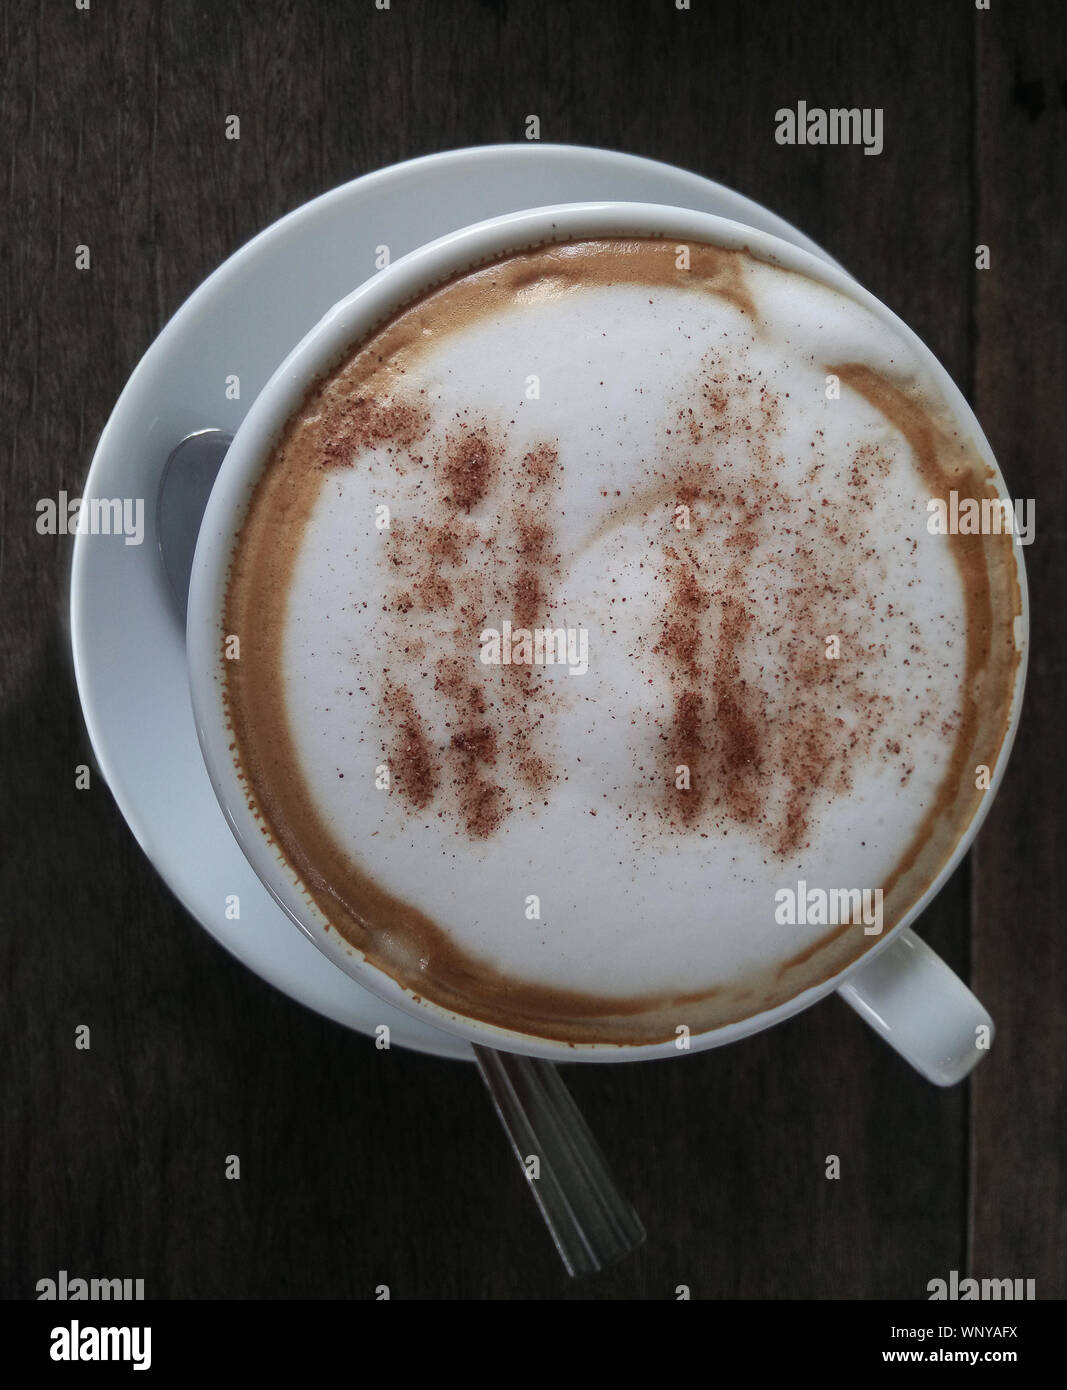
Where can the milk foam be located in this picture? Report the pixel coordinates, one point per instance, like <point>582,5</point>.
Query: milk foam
<point>633,897</point>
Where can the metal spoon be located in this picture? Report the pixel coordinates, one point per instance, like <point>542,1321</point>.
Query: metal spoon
<point>589,1220</point>
<point>188,477</point>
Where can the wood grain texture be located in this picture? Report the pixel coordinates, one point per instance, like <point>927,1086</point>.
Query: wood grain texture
<point>1019,1130</point>
<point>360,1167</point>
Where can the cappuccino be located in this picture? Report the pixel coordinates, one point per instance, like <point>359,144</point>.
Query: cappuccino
<point>589,603</point>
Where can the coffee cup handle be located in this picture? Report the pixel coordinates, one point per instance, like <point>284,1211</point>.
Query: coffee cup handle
<point>922,1008</point>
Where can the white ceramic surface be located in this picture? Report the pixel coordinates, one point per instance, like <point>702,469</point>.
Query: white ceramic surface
<point>128,647</point>
<point>912,994</point>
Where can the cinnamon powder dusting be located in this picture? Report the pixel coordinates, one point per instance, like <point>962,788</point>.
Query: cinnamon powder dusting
<point>469,465</point>
<point>738,716</point>
<point>463,574</point>
<point>362,422</point>
<point>734,750</point>
<point>540,466</point>
<point>767,715</point>
<point>412,757</point>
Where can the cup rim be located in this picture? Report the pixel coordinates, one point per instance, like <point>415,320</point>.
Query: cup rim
<point>337,332</point>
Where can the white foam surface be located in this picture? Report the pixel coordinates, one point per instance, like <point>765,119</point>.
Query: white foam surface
<point>627,904</point>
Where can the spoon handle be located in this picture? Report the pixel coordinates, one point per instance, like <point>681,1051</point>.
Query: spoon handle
<point>589,1220</point>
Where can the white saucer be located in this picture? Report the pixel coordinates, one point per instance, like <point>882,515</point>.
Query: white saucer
<point>129,650</point>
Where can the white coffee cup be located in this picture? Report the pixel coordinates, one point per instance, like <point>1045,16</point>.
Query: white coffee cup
<point>900,986</point>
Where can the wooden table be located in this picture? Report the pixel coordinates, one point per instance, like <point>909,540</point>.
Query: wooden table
<point>361,1168</point>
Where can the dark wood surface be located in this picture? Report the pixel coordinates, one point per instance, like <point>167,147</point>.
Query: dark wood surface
<point>361,1168</point>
